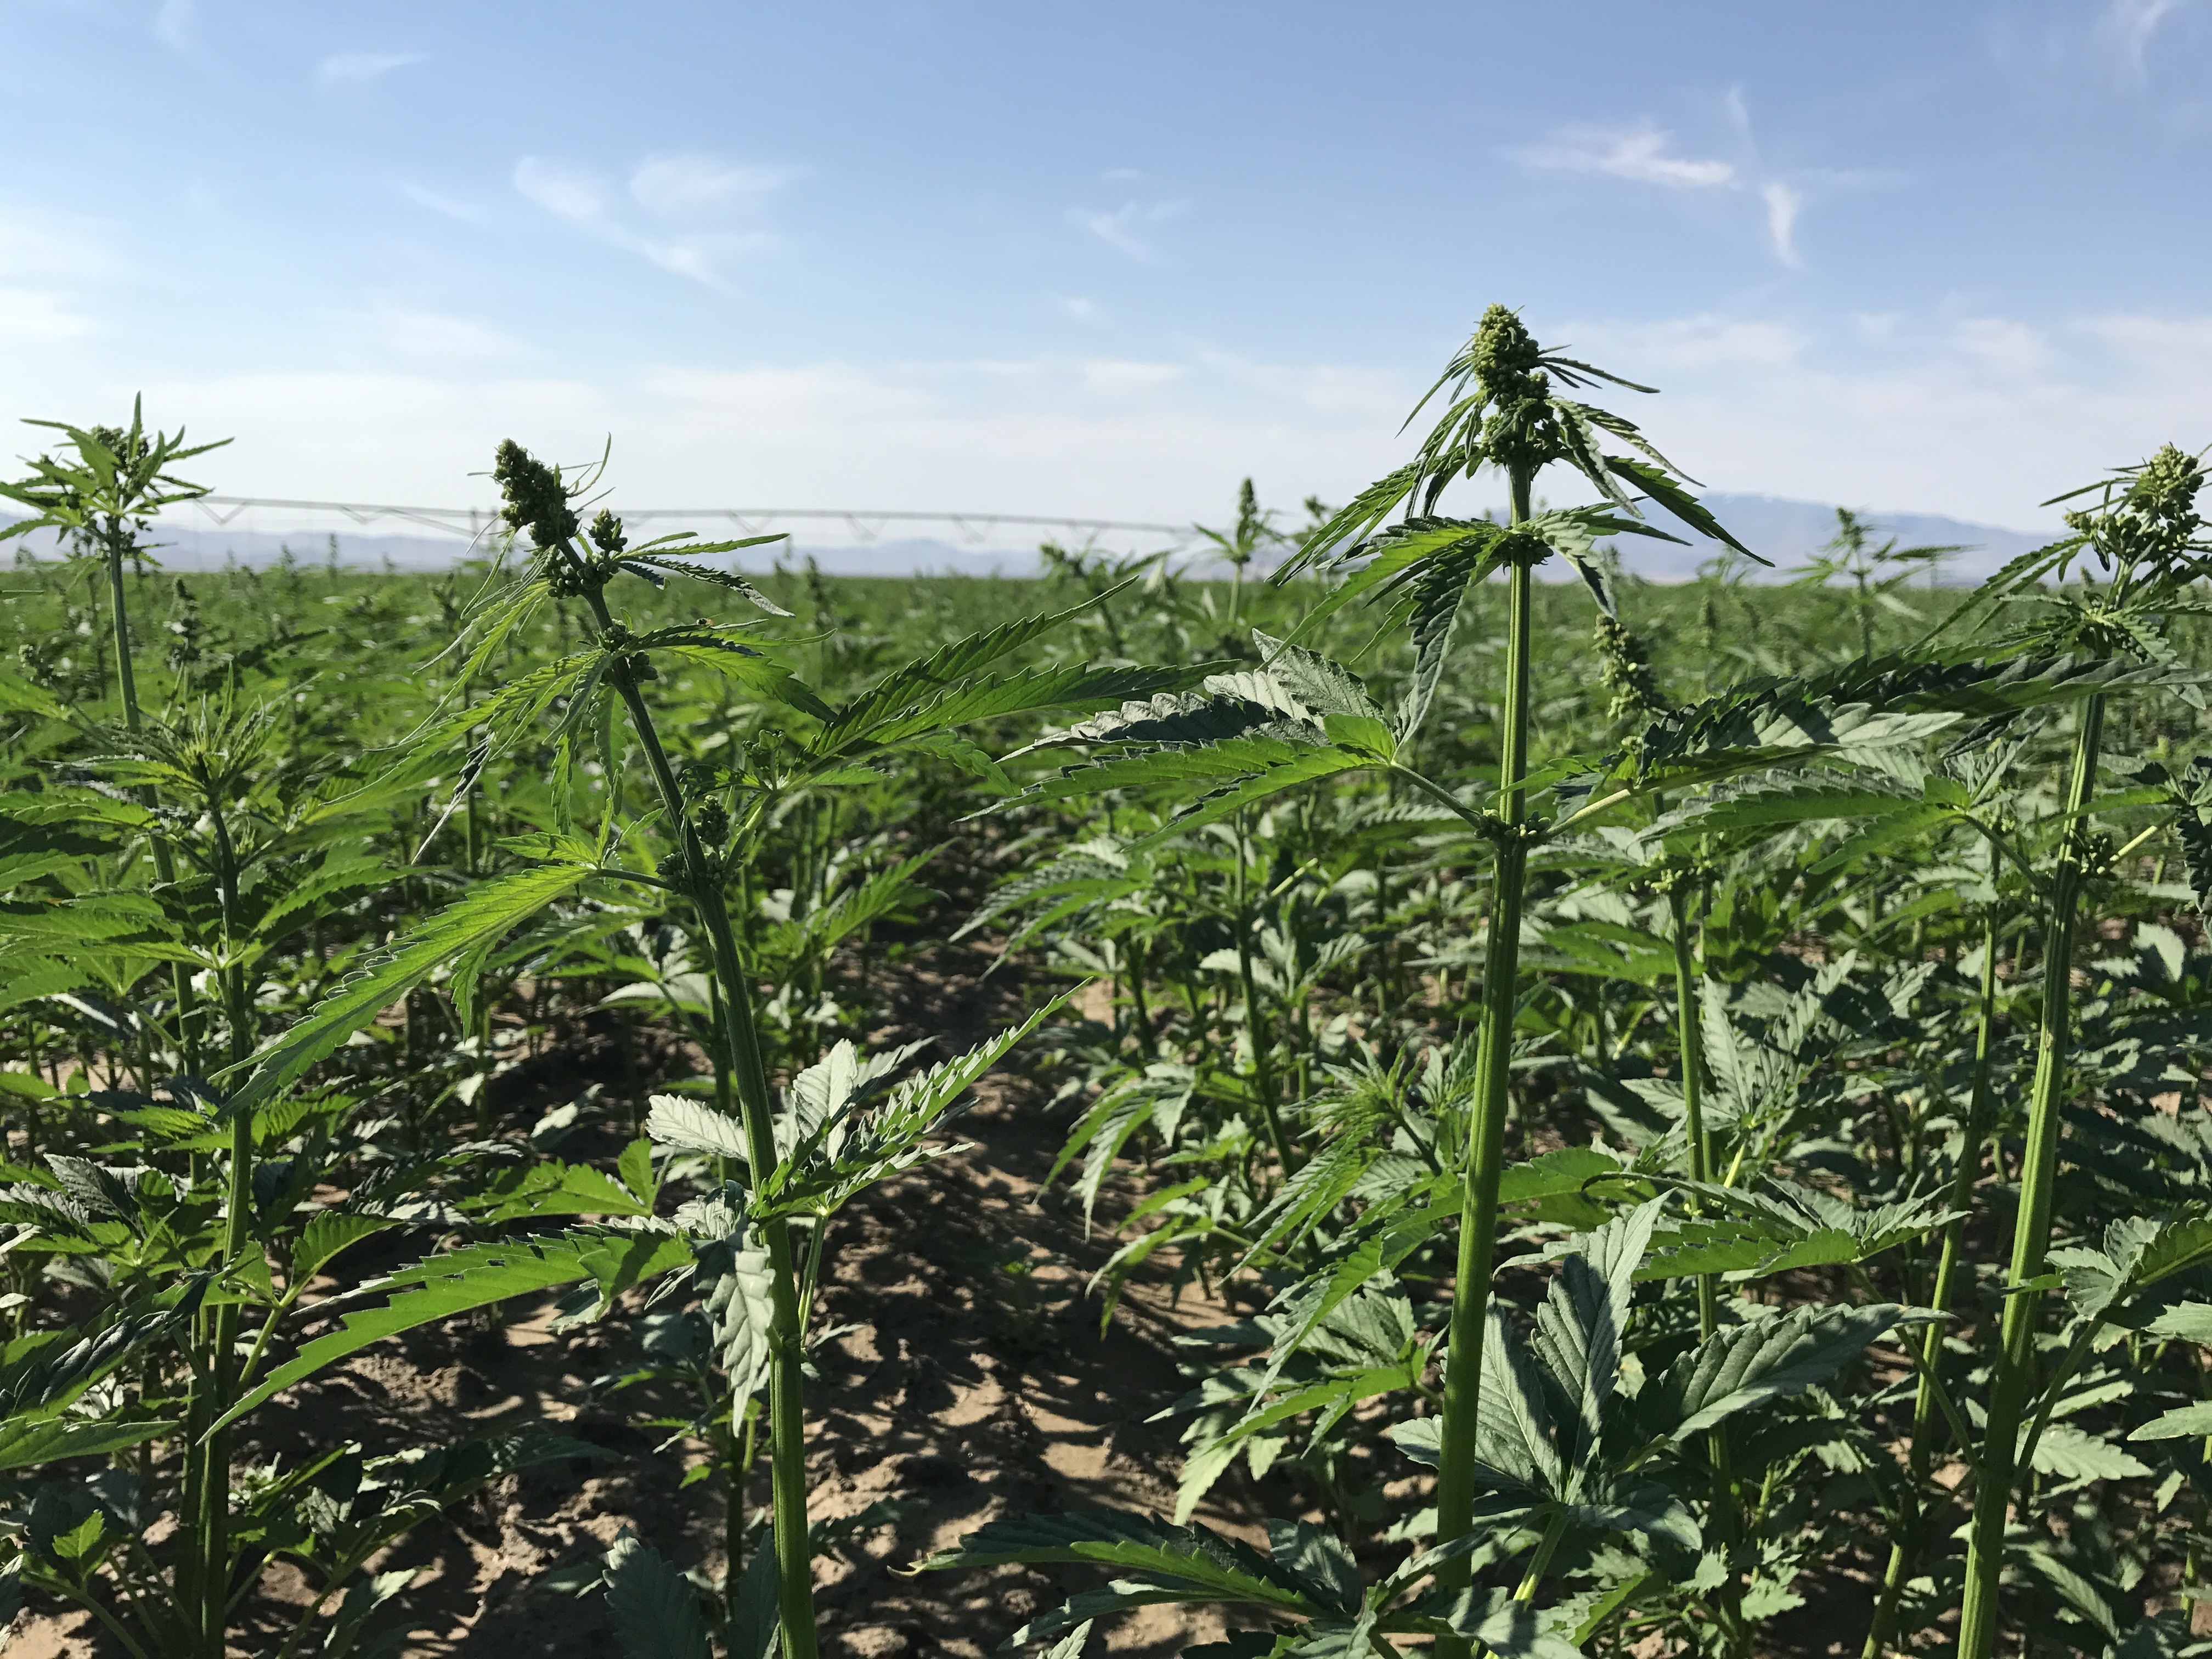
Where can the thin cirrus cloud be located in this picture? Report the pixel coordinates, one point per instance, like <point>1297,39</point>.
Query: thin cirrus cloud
<point>680,186</point>
<point>688,214</point>
<point>358,69</point>
<point>1127,229</point>
<point>1647,155</point>
<point>448,207</point>
<point>1783,203</point>
<point>2131,24</point>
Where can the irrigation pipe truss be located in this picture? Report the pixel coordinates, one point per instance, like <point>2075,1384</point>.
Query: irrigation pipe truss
<point>975,529</point>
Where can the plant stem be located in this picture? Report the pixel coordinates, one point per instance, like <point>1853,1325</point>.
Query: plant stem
<point>1698,1139</point>
<point>1263,1071</point>
<point>117,540</point>
<point>741,1042</point>
<point>2015,1368</point>
<point>1483,1155</point>
<point>734,1513</point>
<point>1554,1530</point>
<point>1904,1552</point>
<point>206,1485</point>
<point>214,1513</point>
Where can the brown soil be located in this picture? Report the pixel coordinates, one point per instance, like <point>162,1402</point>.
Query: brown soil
<point>978,1384</point>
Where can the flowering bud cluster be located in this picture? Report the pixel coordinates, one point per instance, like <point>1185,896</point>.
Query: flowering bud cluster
<point>536,498</point>
<point>607,533</point>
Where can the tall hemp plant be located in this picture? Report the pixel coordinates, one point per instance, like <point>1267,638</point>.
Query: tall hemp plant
<point>100,495</point>
<point>2143,534</point>
<point>837,1132</point>
<point>249,848</point>
<point>1301,717</point>
<point>1505,413</point>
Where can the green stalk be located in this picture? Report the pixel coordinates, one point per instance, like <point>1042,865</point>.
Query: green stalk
<point>125,679</point>
<point>1904,1553</point>
<point>116,539</point>
<point>741,1043</point>
<point>1554,1531</point>
<point>1263,1071</point>
<point>206,1485</point>
<point>2015,1369</point>
<point>213,1525</point>
<point>1484,1154</point>
<point>213,1512</point>
<point>1698,1138</point>
<point>733,1511</point>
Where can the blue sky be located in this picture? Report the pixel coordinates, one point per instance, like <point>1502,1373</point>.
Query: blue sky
<point>1106,259</point>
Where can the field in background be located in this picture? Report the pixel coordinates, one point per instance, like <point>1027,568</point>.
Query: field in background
<point>1703,634</point>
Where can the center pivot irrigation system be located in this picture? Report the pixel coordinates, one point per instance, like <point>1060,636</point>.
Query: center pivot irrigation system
<point>863,527</point>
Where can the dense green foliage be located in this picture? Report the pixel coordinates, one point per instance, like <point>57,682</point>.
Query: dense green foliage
<point>1713,1072</point>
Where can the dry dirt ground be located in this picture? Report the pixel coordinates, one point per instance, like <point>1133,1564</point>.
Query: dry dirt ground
<point>978,1384</point>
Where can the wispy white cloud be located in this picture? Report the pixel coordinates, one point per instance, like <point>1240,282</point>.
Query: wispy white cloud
<point>1783,203</point>
<point>450,207</point>
<point>709,199</point>
<point>1127,228</point>
<point>1083,310</point>
<point>1644,155</point>
<point>688,185</point>
<point>565,192</point>
<point>2106,47</point>
<point>358,69</point>
<point>2130,24</point>
<point>1648,155</point>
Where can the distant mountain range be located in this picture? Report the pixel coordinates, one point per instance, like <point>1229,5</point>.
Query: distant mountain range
<point>1785,532</point>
